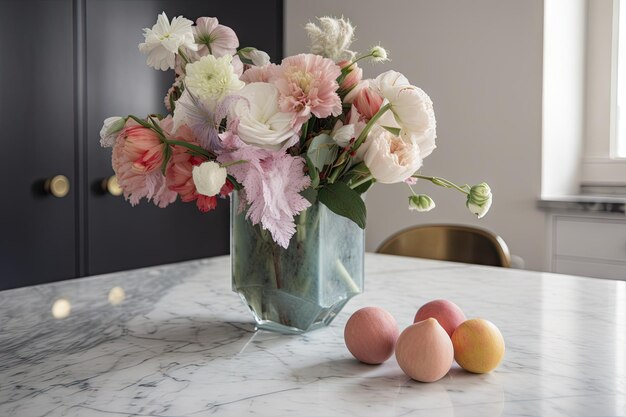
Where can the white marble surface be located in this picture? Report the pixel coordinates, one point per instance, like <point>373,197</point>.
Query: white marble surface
<point>182,344</point>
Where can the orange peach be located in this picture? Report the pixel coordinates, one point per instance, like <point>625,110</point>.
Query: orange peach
<point>448,314</point>
<point>478,346</point>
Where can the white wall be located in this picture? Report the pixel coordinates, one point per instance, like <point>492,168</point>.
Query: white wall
<point>481,63</point>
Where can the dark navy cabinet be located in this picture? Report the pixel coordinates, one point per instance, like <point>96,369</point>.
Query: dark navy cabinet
<point>66,65</point>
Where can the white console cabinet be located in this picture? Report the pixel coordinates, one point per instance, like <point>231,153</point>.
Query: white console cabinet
<point>590,245</point>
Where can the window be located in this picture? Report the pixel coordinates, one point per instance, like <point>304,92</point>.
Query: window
<point>604,153</point>
<point>618,146</point>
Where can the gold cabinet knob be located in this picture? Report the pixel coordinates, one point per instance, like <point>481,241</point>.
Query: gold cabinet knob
<point>111,186</point>
<point>58,186</point>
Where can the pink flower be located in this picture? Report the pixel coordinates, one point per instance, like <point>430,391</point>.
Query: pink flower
<point>137,158</point>
<point>367,102</point>
<point>218,39</point>
<point>179,176</point>
<point>272,181</point>
<point>258,74</point>
<point>307,84</point>
<point>353,78</point>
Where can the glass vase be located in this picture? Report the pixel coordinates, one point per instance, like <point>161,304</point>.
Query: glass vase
<point>303,287</point>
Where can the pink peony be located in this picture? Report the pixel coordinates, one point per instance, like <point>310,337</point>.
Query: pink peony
<point>137,158</point>
<point>308,84</point>
<point>353,78</point>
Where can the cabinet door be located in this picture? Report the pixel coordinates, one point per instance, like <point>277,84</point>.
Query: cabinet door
<point>119,83</point>
<point>37,230</point>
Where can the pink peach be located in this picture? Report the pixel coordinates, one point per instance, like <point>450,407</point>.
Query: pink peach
<point>448,314</point>
<point>424,351</point>
<point>370,335</point>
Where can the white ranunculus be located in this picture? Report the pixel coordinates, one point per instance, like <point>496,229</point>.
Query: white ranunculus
<point>110,128</point>
<point>388,82</point>
<point>260,120</point>
<point>209,178</point>
<point>163,41</point>
<point>210,79</point>
<point>391,158</point>
<point>412,110</point>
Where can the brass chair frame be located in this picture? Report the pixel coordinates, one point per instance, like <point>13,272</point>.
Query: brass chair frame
<point>448,242</point>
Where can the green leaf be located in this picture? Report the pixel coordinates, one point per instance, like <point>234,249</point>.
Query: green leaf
<point>310,194</point>
<point>393,130</point>
<point>344,201</point>
<point>313,173</point>
<point>322,151</point>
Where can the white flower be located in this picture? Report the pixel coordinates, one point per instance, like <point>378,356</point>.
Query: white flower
<point>260,120</point>
<point>342,134</point>
<point>163,41</point>
<point>210,79</point>
<point>390,158</point>
<point>421,203</point>
<point>332,38</point>
<point>479,199</point>
<point>110,129</point>
<point>209,178</point>
<point>412,110</point>
<point>379,54</point>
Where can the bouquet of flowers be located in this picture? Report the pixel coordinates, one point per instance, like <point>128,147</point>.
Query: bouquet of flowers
<point>284,135</point>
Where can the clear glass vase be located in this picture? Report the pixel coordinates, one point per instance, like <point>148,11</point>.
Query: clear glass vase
<point>303,287</point>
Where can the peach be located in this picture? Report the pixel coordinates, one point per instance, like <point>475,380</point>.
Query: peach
<point>370,335</point>
<point>448,314</point>
<point>478,346</point>
<point>424,351</point>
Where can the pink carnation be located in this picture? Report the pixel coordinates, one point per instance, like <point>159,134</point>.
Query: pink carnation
<point>137,158</point>
<point>272,181</point>
<point>308,84</point>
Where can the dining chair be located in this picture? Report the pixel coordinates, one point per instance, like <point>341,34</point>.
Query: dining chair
<point>448,242</point>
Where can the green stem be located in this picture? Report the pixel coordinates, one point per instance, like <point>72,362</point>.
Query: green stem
<point>230,164</point>
<point>442,182</point>
<point>183,56</point>
<point>369,126</point>
<point>362,181</point>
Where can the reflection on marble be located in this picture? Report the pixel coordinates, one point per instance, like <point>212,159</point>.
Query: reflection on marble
<point>180,343</point>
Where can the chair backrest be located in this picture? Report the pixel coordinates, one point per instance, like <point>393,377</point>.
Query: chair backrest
<point>449,243</point>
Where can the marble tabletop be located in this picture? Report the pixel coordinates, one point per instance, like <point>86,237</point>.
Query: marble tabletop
<point>175,341</point>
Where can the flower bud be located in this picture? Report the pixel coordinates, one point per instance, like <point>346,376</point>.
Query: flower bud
<point>421,202</point>
<point>352,78</point>
<point>479,199</point>
<point>209,177</point>
<point>379,54</point>
<point>368,102</point>
<point>111,127</point>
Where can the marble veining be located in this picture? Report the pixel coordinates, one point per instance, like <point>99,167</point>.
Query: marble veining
<point>182,343</point>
